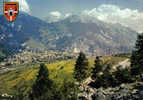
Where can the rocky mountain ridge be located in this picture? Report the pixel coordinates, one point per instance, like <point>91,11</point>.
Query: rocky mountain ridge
<point>31,33</point>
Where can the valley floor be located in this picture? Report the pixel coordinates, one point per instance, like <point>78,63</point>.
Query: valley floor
<point>17,80</point>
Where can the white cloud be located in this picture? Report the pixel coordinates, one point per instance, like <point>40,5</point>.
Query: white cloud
<point>56,14</point>
<point>107,13</point>
<point>24,6</point>
<point>111,12</point>
<point>67,15</point>
<point>114,14</point>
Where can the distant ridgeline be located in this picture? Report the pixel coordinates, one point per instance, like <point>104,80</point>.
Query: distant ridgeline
<point>92,38</point>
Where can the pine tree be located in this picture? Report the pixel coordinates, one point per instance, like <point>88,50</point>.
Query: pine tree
<point>137,57</point>
<point>43,84</point>
<point>81,68</point>
<point>105,79</point>
<point>108,77</point>
<point>97,68</point>
<point>122,75</point>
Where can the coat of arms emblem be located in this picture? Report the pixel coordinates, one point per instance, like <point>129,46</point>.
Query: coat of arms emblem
<point>11,10</point>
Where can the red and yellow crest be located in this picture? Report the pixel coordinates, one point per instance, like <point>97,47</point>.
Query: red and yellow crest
<point>11,10</point>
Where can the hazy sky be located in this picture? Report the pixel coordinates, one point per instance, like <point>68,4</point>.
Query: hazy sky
<point>126,12</point>
<point>41,8</point>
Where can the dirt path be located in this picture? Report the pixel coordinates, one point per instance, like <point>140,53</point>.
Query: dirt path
<point>123,64</point>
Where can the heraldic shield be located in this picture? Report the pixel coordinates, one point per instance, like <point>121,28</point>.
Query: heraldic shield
<point>11,10</point>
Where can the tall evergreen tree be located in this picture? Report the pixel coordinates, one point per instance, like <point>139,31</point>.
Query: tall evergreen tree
<point>81,68</point>
<point>107,76</point>
<point>97,67</point>
<point>137,57</point>
<point>43,84</point>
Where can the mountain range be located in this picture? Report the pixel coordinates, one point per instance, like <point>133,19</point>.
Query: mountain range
<point>71,33</point>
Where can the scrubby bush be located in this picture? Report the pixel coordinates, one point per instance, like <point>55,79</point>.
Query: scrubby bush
<point>122,76</point>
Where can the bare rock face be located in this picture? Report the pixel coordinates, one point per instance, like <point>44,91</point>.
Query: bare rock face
<point>123,92</point>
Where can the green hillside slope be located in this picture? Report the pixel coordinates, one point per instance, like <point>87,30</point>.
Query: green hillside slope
<point>22,78</point>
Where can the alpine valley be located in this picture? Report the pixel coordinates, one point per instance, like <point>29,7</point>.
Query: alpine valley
<point>74,33</point>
